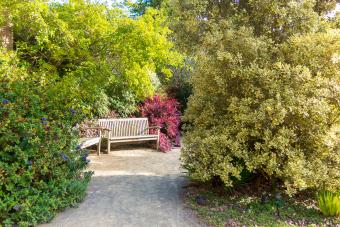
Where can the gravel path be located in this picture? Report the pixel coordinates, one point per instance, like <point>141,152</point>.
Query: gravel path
<point>132,186</point>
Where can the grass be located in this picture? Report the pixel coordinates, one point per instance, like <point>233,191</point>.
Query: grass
<point>246,209</point>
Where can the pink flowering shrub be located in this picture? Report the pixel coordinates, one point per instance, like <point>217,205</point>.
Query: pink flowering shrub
<point>164,142</point>
<point>164,113</point>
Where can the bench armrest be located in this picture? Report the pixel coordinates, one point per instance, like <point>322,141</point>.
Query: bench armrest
<point>106,129</point>
<point>98,128</point>
<point>155,127</point>
<point>91,128</point>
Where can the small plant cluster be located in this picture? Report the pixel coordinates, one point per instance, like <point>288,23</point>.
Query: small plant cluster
<point>329,202</point>
<point>163,112</point>
<point>41,166</point>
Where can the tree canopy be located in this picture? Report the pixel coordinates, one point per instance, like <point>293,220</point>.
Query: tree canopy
<point>92,56</point>
<point>139,7</point>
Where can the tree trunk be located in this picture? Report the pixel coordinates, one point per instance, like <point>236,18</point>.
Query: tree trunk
<point>6,32</point>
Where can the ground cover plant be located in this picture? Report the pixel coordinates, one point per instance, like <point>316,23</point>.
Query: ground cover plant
<point>245,207</point>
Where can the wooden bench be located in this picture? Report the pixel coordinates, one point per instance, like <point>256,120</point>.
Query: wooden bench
<point>85,142</point>
<point>128,130</point>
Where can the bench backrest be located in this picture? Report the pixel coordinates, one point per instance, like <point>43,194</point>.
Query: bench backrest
<point>122,127</point>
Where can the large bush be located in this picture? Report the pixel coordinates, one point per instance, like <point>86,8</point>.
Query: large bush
<point>164,113</point>
<point>265,92</point>
<point>41,169</point>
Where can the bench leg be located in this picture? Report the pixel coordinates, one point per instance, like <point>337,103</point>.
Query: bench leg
<point>108,145</point>
<point>98,147</point>
<point>158,137</point>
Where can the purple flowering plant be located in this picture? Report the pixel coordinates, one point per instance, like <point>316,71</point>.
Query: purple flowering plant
<point>16,207</point>
<point>64,157</point>
<point>35,161</point>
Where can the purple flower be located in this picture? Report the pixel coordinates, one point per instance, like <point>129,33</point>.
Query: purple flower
<point>17,207</point>
<point>65,157</point>
<point>73,112</point>
<point>5,101</point>
<point>44,120</point>
<point>29,162</point>
<point>78,147</point>
<point>84,158</point>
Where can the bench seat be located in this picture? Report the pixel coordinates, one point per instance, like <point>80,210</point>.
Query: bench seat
<point>133,138</point>
<point>88,141</point>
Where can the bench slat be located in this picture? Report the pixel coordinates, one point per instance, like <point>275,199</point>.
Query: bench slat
<point>134,137</point>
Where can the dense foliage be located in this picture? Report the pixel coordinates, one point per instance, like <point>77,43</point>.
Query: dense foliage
<point>93,56</point>
<point>40,166</point>
<point>164,113</point>
<point>265,92</point>
<point>139,7</point>
<point>179,87</point>
<point>69,61</point>
<point>246,206</point>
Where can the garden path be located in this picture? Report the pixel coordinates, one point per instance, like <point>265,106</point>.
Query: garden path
<point>132,186</point>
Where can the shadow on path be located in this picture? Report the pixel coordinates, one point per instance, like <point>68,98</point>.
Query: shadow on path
<point>132,188</point>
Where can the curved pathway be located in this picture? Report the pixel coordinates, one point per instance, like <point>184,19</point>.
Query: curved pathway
<point>132,187</point>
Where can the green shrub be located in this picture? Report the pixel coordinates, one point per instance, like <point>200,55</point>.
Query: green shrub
<point>329,202</point>
<point>265,92</point>
<point>41,169</point>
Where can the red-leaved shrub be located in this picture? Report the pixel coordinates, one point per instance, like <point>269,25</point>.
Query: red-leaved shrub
<point>164,143</point>
<point>164,113</point>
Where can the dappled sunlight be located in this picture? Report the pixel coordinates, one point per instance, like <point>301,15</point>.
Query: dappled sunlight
<point>100,173</point>
<point>130,153</point>
<point>138,162</point>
